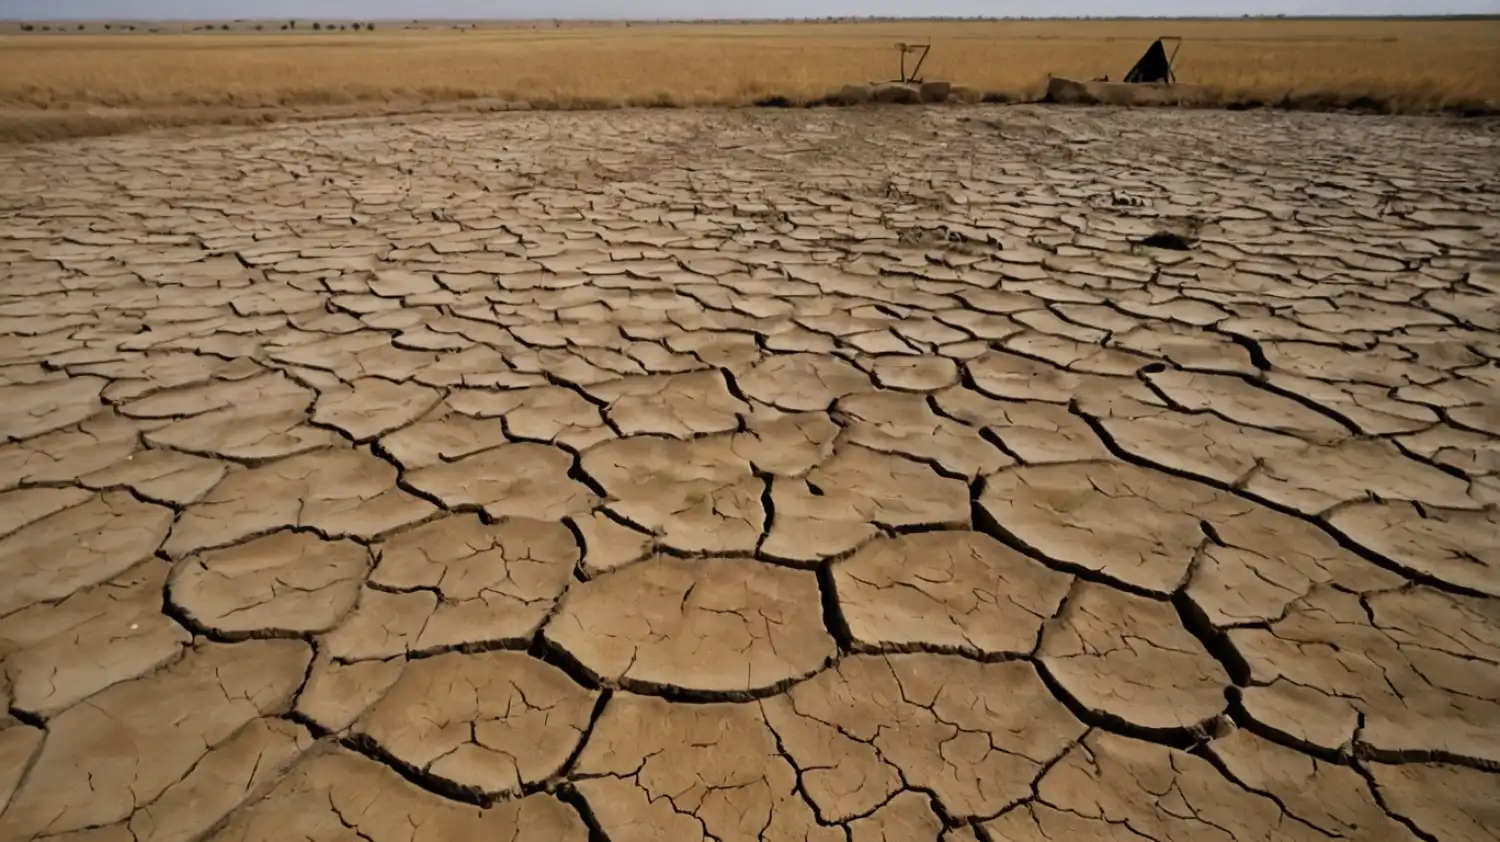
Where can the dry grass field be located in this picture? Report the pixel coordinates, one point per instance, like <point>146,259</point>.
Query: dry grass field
<point>71,83</point>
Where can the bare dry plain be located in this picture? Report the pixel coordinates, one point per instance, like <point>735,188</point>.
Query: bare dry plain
<point>999,474</point>
<point>59,84</point>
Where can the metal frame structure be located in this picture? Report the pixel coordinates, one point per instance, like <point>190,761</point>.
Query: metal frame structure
<point>905,49</point>
<point>1172,58</point>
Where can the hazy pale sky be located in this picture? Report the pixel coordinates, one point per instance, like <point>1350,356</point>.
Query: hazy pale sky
<point>645,9</point>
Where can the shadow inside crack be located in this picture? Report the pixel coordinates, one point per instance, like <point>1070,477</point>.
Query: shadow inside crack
<point>1169,241</point>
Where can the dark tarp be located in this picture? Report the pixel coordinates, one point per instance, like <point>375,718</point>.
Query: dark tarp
<point>1153,66</point>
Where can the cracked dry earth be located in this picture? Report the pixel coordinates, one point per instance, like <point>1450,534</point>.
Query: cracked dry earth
<point>990,475</point>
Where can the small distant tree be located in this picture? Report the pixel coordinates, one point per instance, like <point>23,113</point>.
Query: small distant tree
<point>46,28</point>
<point>80,27</point>
<point>317,26</point>
<point>259,27</point>
<point>106,27</point>
<point>225,27</point>
<point>26,27</point>
<point>291,24</point>
<point>283,27</point>
<point>343,27</point>
<point>369,27</point>
<point>131,27</point>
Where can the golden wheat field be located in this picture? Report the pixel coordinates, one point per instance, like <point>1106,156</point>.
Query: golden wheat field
<point>75,79</point>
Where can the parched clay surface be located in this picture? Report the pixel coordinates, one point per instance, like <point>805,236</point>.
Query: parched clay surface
<point>490,723</point>
<point>1389,672</point>
<point>1128,660</point>
<point>282,583</point>
<point>336,795</point>
<point>954,475</point>
<point>975,734</point>
<point>712,625</point>
<point>946,591</point>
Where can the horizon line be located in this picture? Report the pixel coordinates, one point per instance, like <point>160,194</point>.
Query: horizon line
<point>841,18</point>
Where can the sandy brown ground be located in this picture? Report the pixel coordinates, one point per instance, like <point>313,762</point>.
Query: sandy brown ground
<point>999,474</point>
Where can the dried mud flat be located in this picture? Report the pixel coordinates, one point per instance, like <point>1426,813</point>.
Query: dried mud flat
<point>921,476</point>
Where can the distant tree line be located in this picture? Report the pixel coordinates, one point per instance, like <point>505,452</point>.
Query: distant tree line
<point>317,26</point>
<point>31,27</point>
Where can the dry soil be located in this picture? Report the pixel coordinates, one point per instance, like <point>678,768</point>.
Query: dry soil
<point>919,475</point>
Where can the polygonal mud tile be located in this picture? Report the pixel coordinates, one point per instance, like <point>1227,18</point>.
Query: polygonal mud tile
<point>697,496</point>
<point>59,653</point>
<point>656,770</point>
<point>489,723</point>
<point>947,592</point>
<point>802,382</point>
<point>285,583</point>
<point>135,740</point>
<point>839,505</point>
<point>904,424</point>
<point>1454,546</point>
<point>84,545</point>
<point>974,734</point>
<point>1109,787</point>
<point>1129,661</point>
<point>726,627</point>
<point>337,492</point>
<point>335,794</point>
<point>1404,674</point>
